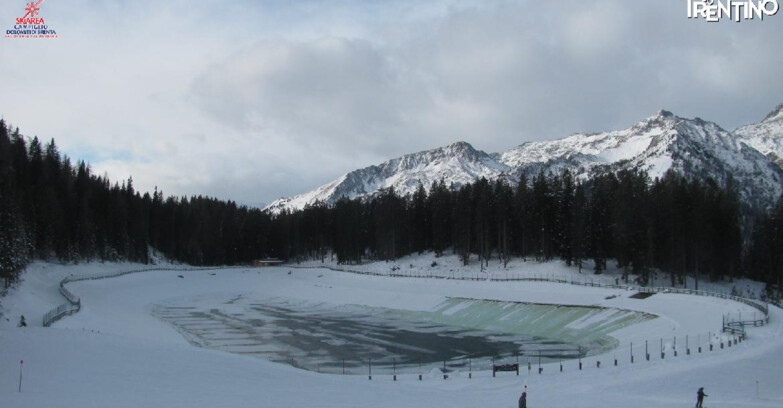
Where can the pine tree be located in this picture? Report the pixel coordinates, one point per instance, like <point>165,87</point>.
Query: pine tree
<point>563,223</point>
<point>482,197</point>
<point>348,246</point>
<point>389,225</point>
<point>14,244</point>
<point>504,201</point>
<point>440,210</point>
<point>599,225</point>
<point>542,218</point>
<point>579,220</point>
<point>421,228</point>
<point>463,223</point>
<point>522,224</point>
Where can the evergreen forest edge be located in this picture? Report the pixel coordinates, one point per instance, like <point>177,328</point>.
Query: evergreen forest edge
<point>52,209</point>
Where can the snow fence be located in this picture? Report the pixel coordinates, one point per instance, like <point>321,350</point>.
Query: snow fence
<point>731,324</point>
<point>74,302</point>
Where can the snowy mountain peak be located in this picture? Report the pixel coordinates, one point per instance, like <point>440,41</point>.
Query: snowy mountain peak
<point>663,116</point>
<point>461,146</point>
<point>767,136</point>
<point>458,164</point>
<point>458,149</point>
<point>663,119</point>
<point>662,142</point>
<point>776,115</point>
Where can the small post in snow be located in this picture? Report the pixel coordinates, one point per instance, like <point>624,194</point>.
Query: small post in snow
<point>470,368</point>
<point>394,368</point>
<point>445,376</point>
<point>540,369</point>
<point>370,369</point>
<point>631,352</point>
<point>21,363</point>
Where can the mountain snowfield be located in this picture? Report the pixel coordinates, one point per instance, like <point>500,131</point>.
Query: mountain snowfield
<point>766,136</point>
<point>662,142</point>
<point>457,164</point>
<point>115,352</point>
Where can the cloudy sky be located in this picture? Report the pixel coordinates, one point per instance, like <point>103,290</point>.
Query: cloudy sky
<point>254,100</point>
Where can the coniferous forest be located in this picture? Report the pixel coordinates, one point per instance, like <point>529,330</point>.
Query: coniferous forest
<point>54,209</point>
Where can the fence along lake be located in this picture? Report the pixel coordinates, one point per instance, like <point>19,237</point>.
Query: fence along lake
<point>330,338</point>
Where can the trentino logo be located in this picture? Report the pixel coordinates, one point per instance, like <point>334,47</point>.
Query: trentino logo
<point>30,25</point>
<point>737,10</point>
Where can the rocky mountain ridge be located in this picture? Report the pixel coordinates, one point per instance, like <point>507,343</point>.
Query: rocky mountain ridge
<point>750,156</point>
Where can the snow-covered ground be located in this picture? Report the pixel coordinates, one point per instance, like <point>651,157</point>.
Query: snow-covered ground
<point>117,352</point>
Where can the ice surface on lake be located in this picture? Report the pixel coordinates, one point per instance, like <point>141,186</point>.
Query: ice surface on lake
<point>328,337</point>
<point>585,326</point>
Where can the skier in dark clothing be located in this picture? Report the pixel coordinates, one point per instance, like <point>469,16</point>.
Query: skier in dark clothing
<point>700,397</point>
<point>22,323</point>
<point>523,399</point>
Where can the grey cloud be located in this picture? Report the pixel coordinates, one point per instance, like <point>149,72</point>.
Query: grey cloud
<point>336,89</point>
<point>261,100</point>
<point>496,76</point>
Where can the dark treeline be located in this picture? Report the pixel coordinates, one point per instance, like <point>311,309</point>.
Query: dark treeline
<point>53,209</point>
<point>765,256</point>
<point>672,224</point>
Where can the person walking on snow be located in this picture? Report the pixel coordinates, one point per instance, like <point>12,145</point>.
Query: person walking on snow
<point>22,323</point>
<point>700,397</point>
<point>523,399</point>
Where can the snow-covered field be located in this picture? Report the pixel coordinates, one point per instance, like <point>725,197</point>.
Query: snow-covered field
<point>119,351</point>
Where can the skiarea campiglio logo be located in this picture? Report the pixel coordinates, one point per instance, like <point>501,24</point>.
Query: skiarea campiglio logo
<point>31,24</point>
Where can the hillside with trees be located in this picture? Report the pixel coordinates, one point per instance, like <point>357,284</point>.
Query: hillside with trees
<point>54,209</point>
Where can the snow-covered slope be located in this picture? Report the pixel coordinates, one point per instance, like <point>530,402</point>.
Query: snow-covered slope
<point>458,163</point>
<point>662,142</point>
<point>581,153</point>
<point>766,136</point>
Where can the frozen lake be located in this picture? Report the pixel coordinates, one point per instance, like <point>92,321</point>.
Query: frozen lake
<point>465,333</point>
<point>123,341</point>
